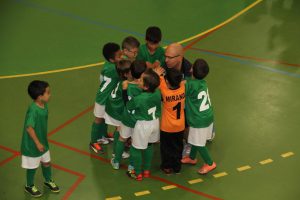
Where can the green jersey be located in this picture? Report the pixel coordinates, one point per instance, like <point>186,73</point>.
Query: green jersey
<point>128,118</point>
<point>37,118</point>
<point>144,55</point>
<point>146,106</point>
<point>199,112</point>
<point>109,79</point>
<point>115,104</point>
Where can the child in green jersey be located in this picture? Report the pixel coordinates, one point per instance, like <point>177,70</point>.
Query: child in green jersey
<point>114,107</point>
<point>147,110</point>
<point>128,121</point>
<point>34,146</point>
<point>199,115</point>
<point>109,79</point>
<point>152,52</point>
<point>130,48</point>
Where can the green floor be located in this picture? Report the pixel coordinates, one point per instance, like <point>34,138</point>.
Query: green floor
<point>254,87</point>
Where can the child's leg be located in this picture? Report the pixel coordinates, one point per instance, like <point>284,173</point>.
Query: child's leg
<point>30,177</point>
<point>165,150</point>
<point>148,153</point>
<point>47,172</point>
<point>193,153</point>
<point>116,139</point>
<point>178,148</point>
<point>205,155</point>
<point>136,155</point>
<point>99,128</point>
<point>119,148</point>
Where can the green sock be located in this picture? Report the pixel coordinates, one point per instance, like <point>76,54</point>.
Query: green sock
<point>47,173</point>
<point>136,155</point>
<point>116,138</point>
<point>98,131</point>
<point>30,177</point>
<point>118,150</point>
<point>205,155</point>
<point>148,157</point>
<point>193,152</point>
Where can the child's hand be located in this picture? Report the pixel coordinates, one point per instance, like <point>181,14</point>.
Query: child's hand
<point>125,85</point>
<point>149,65</point>
<point>159,70</point>
<point>156,64</point>
<point>40,147</point>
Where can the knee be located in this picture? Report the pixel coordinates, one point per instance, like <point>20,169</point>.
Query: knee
<point>46,164</point>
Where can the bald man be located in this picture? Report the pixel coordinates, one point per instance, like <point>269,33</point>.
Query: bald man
<point>175,59</point>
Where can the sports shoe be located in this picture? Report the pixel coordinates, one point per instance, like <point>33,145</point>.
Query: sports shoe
<point>124,155</point>
<point>188,160</point>
<point>146,173</point>
<point>33,191</point>
<point>114,165</point>
<point>130,168</point>
<point>139,177</point>
<point>103,140</point>
<point>110,136</point>
<point>131,174</point>
<point>96,147</point>
<point>167,171</point>
<point>207,168</point>
<point>52,186</point>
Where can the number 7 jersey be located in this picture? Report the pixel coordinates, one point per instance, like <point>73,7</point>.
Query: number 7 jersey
<point>110,79</point>
<point>199,112</point>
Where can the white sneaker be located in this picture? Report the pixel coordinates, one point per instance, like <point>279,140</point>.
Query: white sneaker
<point>103,140</point>
<point>124,155</point>
<point>186,150</point>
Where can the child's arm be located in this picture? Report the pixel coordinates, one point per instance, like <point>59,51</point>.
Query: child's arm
<point>32,134</point>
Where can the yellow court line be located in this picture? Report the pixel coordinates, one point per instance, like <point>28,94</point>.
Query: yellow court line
<point>168,187</point>
<point>267,161</point>
<point>114,198</point>
<point>97,64</point>
<point>288,154</point>
<point>142,193</point>
<point>220,174</point>
<point>243,168</point>
<point>198,180</point>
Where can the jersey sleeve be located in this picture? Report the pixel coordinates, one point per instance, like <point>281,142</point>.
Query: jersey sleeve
<point>30,119</point>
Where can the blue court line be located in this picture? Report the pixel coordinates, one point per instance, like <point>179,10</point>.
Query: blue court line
<point>82,19</point>
<point>250,63</point>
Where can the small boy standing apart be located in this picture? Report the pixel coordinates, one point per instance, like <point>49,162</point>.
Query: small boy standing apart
<point>34,146</point>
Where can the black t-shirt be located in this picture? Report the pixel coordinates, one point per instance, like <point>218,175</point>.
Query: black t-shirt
<point>186,67</point>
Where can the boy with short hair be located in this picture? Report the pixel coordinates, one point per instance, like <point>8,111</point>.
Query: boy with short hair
<point>109,79</point>
<point>34,146</point>
<point>115,105</point>
<point>137,68</point>
<point>172,121</point>
<point>199,114</point>
<point>147,107</point>
<point>152,52</point>
<point>130,48</point>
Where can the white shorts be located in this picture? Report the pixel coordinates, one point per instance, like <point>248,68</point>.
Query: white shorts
<point>125,131</point>
<point>99,110</point>
<point>34,162</point>
<point>145,132</point>
<point>198,136</point>
<point>111,121</point>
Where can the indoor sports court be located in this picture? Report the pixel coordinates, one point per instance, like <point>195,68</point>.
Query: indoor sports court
<point>253,52</point>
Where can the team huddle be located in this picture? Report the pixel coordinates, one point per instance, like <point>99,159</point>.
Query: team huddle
<point>150,95</point>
